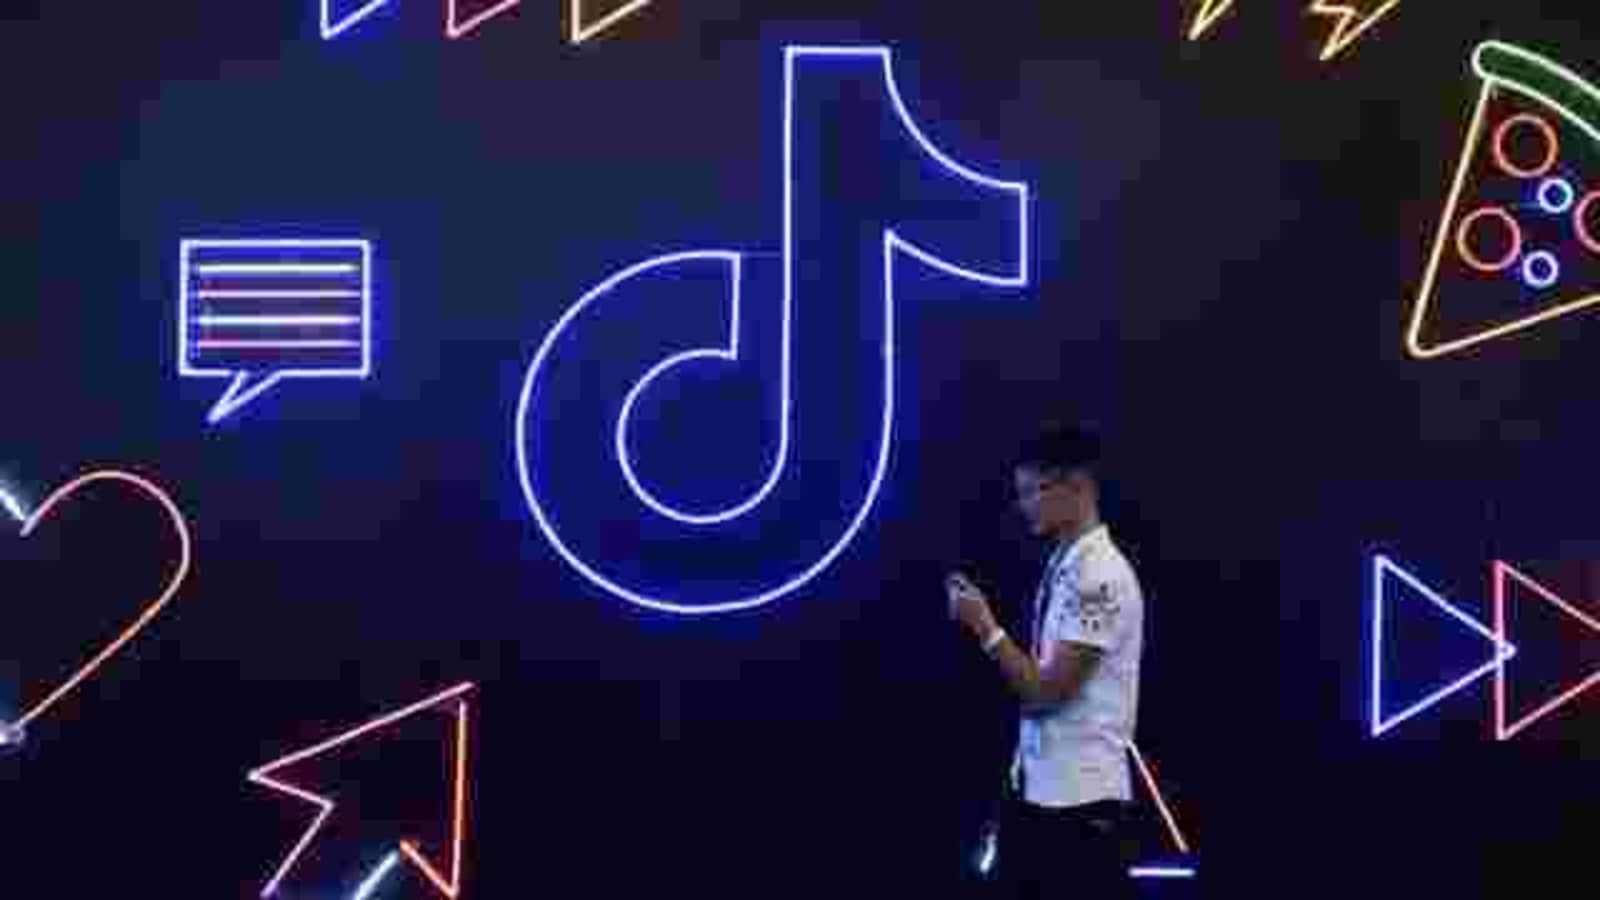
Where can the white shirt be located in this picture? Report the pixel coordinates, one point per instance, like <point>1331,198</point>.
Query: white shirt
<point>1078,753</point>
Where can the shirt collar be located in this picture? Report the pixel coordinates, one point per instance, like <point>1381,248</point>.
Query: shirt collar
<point>1092,536</point>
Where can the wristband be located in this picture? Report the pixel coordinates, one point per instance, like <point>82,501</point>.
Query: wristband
<point>993,640</point>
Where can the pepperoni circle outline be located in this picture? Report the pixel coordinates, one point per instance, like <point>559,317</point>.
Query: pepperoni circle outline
<point>1464,248</point>
<point>1552,146</point>
<point>1580,225</point>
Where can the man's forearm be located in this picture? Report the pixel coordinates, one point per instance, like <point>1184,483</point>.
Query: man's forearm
<point>1039,695</point>
<point>1021,673</point>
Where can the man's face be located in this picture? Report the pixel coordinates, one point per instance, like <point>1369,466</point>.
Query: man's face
<point>1048,500</point>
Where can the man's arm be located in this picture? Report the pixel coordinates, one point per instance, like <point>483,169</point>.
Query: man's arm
<point>1044,689</point>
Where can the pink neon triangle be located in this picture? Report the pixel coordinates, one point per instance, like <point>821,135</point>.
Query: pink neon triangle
<point>465,16</point>
<point>1503,730</point>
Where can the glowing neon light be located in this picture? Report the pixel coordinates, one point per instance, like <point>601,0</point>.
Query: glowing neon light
<point>460,20</point>
<point>1206,17</point>
<point>328,270</point>
<point>275,345</point>
<point>582,31</point>
<point>988,852</point>
<point>325,806</point>
<point>1502,157</point>
<point>13,506</point>
<point>456,27</point>
<point>276,321</point>
<point>180,527</point>
<point>1552,269</point>
<point>1563,189</point>
<point>1161,872</point>
<point>283,269</point>
<point>1464,240</point>
<point>370,884</point>
<point>450,887</point>
<point>1509,68</point>
<point>1521,71</point>
<point>1382,566</point>
<point>620,442</point>
<point>1580,222</point>
<point>1503,573</point>
<point>1161,801</point>
<point>332,28</point>
<point>1350,23</point>
<point>277,295</point>
<point>892,246</point>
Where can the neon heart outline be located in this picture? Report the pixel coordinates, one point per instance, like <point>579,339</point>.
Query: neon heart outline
<point>150,611</point>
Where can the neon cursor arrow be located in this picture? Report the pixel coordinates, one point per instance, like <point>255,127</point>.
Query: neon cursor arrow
<point>452,702</point>
<point>1349,21</point>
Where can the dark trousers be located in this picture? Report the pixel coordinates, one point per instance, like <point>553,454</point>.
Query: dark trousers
<point>1073,853</point>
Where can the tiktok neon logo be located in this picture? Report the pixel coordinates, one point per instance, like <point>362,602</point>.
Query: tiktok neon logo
<point>636,401</point>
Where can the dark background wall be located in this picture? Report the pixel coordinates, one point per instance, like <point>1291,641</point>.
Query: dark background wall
<point>1229,234</point>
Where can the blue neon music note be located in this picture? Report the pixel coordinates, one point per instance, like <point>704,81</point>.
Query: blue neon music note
<point>689,452</point>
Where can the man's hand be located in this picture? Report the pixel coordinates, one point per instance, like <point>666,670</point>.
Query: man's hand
<point>10,737</point>
<point>969,606</point>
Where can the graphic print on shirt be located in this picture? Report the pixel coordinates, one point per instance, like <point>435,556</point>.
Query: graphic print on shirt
<point>1098,609</point>
<point>1093,608</point>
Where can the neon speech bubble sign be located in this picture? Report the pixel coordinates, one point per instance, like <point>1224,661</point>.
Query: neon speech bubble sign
<point>180,527</point>
<point>649,329</point>
<point>262,311</point>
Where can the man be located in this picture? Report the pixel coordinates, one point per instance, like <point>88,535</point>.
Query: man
<point>1077,680</point>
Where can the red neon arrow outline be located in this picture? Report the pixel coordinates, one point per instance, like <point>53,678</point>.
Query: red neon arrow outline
<point>1502,731</point>
<point>325,806</point>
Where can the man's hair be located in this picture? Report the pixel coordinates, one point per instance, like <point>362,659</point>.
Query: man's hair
<point>1062,450</point>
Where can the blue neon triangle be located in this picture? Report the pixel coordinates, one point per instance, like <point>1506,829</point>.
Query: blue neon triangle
<point>1412,626</point>
<point>339,16</point>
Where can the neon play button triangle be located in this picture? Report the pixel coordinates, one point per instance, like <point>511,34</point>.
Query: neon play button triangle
<point>1385,575</point>
<point>339,16</point>
<point>1508,580</point>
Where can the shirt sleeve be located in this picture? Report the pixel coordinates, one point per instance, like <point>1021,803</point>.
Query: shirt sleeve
<point>1088,607</point>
